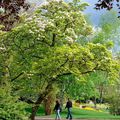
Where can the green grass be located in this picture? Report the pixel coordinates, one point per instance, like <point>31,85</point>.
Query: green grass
<point>80,113</point>
<point>40,111</point>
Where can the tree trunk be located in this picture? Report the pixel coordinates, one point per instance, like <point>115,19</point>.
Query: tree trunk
<point>39,101</point>
<point>36,106</point>
<point>101,94</point>
<point>95,103</point>
<point>48,102</point>
<point>34,110</point>
<point>101,97</point>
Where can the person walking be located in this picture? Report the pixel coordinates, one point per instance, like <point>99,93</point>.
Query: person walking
<point>69,108</point>
<point>57,109</point>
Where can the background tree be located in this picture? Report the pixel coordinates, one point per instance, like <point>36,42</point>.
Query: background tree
<point>113,94</point>
<point>9,12</point>
<point>108,4</point>
<point>90,86</point>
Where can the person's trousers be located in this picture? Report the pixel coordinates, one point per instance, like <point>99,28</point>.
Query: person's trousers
<point>58,117</point>
<point>69,115</point>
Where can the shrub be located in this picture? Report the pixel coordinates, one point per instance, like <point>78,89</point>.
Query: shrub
<point>10,107</point>
<point>114,99</point>
<point>115,105</point>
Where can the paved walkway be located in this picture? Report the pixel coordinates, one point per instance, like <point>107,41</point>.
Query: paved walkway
<point>38,118</point>
<point>49,118</point>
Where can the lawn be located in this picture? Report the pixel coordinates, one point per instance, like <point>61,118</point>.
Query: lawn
<point>80,113</point>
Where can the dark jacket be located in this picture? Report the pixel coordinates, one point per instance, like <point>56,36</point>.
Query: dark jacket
<point>57,107</point>
<point>68,104</point>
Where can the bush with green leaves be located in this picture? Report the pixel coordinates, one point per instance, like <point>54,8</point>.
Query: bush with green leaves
<point>10,107</point>
<point>115,105</point>
<point>113,98</point>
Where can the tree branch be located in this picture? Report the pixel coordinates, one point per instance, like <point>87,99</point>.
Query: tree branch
<point>17,76</point>
<point>29,101</point>
<point>53,40</point>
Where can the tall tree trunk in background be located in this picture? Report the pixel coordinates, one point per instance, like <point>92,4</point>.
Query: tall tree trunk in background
<point>101,93</point>
<point>50,100</point>
<point>95,102</point>
<point>48,103</point>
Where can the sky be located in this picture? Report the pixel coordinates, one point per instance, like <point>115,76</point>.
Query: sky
<point>94,14</point>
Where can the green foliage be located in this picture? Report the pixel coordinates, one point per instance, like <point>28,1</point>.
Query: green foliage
<point>115,105</point>
<point>85,87</point>
<point>44,47</point>
<point>38,47</point>
<point>10,107</point>
<point>109,29</point>
<point>113,95</point>
<point>114,99</point>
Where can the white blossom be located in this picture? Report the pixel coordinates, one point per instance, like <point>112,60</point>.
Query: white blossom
<point>2,10</point>
<point>29,19</point>
<point>69,39</point>
<point>31,32</point>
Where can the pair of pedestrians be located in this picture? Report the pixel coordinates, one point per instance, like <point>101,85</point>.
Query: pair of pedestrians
<point>58,109</point>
